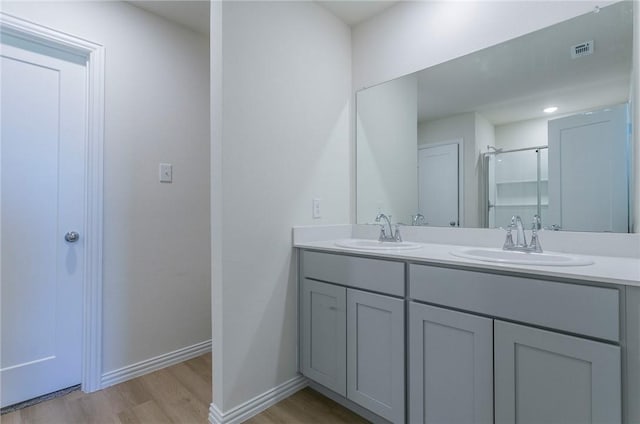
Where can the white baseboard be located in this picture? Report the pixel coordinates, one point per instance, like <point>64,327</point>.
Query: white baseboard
<point>258,404</point>
<point>153,364</point>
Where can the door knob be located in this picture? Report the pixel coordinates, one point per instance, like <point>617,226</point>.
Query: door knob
<point>71,237</point>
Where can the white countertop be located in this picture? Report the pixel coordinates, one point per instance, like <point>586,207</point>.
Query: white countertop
<point>605,269</point>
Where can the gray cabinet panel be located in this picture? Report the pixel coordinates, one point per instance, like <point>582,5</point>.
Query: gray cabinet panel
<point>451,366</point>
<point>588,310</point>
<point>546,377</point>
<point>369,274</point>
<point>632,374</point>
<point>375,353</point>
<point>323,314</point>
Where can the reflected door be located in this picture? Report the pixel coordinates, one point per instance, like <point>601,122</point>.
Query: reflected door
<point>42,183</point>
<point>438,185</point>
<point>588,171</point>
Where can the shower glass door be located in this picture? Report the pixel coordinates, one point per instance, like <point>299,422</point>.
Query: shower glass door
<point>518,185</point>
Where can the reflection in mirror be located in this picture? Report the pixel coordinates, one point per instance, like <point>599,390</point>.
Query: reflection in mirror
<point>518,184</point>
<point>470,142</point>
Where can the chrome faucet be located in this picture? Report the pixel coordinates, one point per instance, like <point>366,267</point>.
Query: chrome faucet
<point>417,219</point>
<point>393,235</point>
<point>520,244</point>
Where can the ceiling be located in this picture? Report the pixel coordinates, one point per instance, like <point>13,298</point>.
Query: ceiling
<point>352,12</point>
<point>193,14</point>
<point>506,83</point>
<point>516,80</point>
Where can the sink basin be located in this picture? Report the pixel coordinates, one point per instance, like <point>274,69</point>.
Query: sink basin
<point>364,244</point>
<point>521,258</point>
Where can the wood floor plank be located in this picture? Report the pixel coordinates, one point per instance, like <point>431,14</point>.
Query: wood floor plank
<point>116,400</point>
<point>98,409</point>
<point>196,384</point>
<point>128,417</point>
<point>201,366</point>
<point>150,412</point>
<point>50,412</point>
<point>174,399</point>
<point>11,418</point>
<point>306,407</point>
<point>132,392</point>
<point>74,408</point>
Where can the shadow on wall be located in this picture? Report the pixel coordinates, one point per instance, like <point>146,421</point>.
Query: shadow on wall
<point>256,357</point>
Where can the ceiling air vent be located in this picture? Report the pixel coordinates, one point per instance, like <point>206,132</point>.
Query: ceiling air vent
<point>582,49</point>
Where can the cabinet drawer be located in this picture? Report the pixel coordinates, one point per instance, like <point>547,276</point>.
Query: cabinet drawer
<point>587,310</point>
<point>369,274</point>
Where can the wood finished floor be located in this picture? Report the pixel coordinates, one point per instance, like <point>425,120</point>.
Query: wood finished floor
<point>179,394</point>
<point>306,406</point>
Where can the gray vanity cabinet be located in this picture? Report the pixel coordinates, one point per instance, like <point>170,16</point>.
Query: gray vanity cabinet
<point>451,366</point>
<point>542,376</point>
<point>539,375</point>
<point>632,374</point>
<point>375,353</point>
<point>323,347</point>
<point>481,347</point>
<point>352,330</point>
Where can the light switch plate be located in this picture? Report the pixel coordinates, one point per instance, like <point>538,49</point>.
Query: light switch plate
<point>316,208</point>
<point>166,173</point>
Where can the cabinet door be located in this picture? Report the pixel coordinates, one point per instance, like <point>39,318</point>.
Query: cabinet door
<point>375,353</point>
<point>632,373</point>
<point>546,377</point>
<point>323,313</point>
<point>450,366</point>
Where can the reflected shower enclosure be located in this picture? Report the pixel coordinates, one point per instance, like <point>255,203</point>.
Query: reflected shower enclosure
<point>517,183</point>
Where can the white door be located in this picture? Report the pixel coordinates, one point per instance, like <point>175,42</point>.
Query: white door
<point>42,184</point>
<point>438,185</point>
<point>588,171</point>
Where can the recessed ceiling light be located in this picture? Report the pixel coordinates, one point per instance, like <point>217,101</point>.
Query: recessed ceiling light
<point>550,109</point>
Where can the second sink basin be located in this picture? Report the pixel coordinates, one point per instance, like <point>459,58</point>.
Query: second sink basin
<point>365,244</point>
<point>521,258</point>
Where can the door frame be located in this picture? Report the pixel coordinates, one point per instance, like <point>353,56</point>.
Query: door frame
<point>460,143</point>
<point>93,189</point>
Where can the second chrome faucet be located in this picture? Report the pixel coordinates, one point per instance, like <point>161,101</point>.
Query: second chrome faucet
<point>393,235</point>
<point>521,244</point>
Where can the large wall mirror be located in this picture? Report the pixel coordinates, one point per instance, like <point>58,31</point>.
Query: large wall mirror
<point>538,125</point>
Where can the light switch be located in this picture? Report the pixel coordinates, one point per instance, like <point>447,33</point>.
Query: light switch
<point>316,208</point>
<point>166,173</point>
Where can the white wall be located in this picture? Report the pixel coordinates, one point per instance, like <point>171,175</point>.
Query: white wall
<point>517,135</point>
<point>411,36</point>
<point>449,128</point>
<point>283,103</point>
<point>156,236</point>
<point>635,110</point>
<point>387,148</point>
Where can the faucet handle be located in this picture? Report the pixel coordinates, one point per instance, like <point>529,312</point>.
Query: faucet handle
<point>397,235</point>
<point>536,224</point>
<point>383,233</point>
<point>508,242</point>
<point>535,242</point>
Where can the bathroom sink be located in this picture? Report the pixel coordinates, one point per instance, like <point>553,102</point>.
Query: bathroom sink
<point>521,258</point>
<point>364,244</point>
